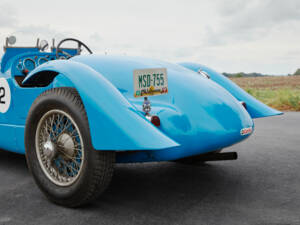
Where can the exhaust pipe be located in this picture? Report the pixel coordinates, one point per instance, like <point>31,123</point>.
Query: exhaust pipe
<point>209,157</point>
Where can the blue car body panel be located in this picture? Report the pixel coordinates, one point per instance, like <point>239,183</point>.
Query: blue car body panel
<point>197,115</point>
<point>255,108</point>
<point>11,53</point>
<point>110,115</point>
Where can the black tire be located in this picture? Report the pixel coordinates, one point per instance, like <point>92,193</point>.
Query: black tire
<point>96,167</point>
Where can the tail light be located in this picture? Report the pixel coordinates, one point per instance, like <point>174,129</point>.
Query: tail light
<point>146,109</point>
<point>154,120</point>
<point>244,104</point>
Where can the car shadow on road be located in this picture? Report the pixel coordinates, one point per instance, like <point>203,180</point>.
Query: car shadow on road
<point>12,161</point>
<point>164,188</point>
<point>167,189</point>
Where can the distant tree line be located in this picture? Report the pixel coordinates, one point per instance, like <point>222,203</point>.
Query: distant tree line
<point>242,74</point>
<point>297,72</point>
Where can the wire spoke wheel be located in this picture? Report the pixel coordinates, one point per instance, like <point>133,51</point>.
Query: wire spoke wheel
<point>59,150</point>
<point>59,147</point>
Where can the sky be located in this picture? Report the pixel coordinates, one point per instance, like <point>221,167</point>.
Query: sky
<point>227,35</point>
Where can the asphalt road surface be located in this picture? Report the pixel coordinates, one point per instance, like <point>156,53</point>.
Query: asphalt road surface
<point>261,187</point>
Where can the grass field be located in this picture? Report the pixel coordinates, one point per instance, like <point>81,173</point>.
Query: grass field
<point>280,92</point>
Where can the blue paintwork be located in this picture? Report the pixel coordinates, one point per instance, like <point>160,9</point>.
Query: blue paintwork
<point>107,109</point>
<point>197,115</point>
<point>12,53</point>
<point>254,107</point>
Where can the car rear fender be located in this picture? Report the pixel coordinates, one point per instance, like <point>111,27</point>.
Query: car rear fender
<point>255,108</point>
<point>114,123</point>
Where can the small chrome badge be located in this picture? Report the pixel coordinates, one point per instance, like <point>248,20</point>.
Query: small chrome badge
<point>246,131</point>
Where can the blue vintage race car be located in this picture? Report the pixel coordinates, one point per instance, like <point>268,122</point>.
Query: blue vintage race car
<point>75,115</point>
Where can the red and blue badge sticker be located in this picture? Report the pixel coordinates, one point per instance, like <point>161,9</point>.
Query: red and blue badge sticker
<point>246,131</point>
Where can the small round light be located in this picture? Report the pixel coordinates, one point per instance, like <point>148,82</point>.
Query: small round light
<point>11,40</point>
<point>155,121</point>
<point>25,71</point>
<point>244,104</point>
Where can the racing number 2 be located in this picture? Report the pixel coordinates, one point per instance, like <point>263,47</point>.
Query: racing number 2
<point>2,95</point>
<point>5,97</point>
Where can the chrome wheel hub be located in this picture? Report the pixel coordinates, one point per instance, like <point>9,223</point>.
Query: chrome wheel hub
<point>66,143</point>
<point>49,150</point>
<point>59,147</point>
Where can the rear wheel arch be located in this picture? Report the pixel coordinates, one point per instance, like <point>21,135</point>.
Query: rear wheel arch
<point>41,79</point>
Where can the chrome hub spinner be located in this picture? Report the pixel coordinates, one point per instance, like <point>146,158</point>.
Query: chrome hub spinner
<point>49,150</point>
<point>67,144</point>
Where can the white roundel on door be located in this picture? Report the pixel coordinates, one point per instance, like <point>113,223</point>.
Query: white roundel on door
<point>5,96</point>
